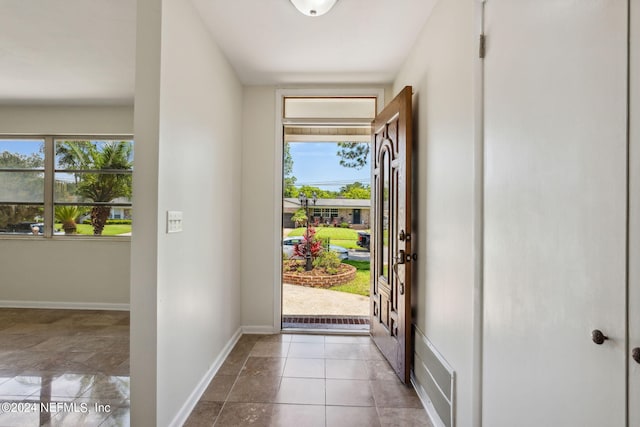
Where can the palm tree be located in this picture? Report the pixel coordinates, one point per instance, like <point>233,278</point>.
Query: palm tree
<point>100,187</point>
<point>68,215</point>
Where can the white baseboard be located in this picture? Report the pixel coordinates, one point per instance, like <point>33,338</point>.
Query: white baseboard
<point>194,397</point>
<point>59,305</point>
<point>426,402</point>
<point>257,329</point>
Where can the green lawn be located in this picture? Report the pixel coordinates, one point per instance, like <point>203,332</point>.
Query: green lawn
<point>109,230</point>
<point>359,285</point>
<point>330,232</point>
<point>344,237</point>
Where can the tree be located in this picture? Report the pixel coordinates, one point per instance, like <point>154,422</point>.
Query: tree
<point>68,215</point>
<point>21,186</point>
<point>299,217</point>
<point>289,187</point>
<point>357,190</point>
<point>353,154</point>
<point>308,191</point>
<point>99,187</point>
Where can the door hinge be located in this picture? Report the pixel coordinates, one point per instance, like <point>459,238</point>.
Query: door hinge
<point>482,46</point>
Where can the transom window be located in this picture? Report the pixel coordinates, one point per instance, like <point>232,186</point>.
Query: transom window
<point>52,186</point>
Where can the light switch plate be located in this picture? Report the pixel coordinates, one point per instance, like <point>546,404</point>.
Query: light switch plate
<point>174,221</point>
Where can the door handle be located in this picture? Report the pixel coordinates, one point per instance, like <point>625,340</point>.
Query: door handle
<point>635,353</point>
<point>400,259</point>
<point>598,337</point>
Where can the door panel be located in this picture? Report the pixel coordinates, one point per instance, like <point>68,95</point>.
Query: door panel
<point>391,223</point>
<point>555,213</point>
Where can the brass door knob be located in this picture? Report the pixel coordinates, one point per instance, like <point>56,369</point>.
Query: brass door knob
<point>598,337</point>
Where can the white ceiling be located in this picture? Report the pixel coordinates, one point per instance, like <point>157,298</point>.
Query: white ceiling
<point>358,41</point>
<point>83,51</point>
<point>67,51</point>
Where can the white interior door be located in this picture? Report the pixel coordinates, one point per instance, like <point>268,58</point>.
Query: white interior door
<point>634,218</point>
<point>555,230</point>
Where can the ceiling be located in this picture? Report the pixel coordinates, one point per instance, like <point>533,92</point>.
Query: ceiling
<point>83,51</point>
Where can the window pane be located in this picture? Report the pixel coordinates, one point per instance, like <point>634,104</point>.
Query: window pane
<point>86,220</point>
<point>92,187</point>
<point>21,219</point>
<point>21,153</point>
<point>17,186</point>
<point>78,180</point>
<point>336,108</point>
<point>94,154</point>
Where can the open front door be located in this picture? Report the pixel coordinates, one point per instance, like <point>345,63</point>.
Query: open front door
<point>391,233</point>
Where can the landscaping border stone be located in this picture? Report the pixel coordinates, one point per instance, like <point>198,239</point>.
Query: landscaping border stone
<point>319,281</point>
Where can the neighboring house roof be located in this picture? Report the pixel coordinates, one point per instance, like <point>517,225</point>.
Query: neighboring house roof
<point>293,203</point>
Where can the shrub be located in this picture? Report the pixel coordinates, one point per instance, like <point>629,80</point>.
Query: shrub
<point>315,245</point>
<point>111,221</point>
<point>344,225</point>
<point>329,261</point>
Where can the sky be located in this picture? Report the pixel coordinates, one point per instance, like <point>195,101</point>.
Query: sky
<point>317,164</point>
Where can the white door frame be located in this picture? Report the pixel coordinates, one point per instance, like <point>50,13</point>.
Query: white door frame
<point>378,93</point>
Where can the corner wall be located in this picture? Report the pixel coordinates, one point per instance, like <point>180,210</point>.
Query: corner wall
<point>440,69</point>
<point>189,297</point>
<point>91,273</point>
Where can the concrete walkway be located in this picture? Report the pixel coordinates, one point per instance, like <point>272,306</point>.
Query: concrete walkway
<point>302,300</point>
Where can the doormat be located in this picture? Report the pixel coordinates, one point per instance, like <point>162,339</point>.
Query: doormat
<point>325,322</point>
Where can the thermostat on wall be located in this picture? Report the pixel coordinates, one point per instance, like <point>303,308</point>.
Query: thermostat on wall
<point>174,221</point>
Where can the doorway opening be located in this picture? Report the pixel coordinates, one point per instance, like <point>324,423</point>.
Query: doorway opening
<point>324,275</point>
<point>326,228</point>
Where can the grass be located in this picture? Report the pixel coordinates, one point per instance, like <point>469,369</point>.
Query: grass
<point>344,237</point>
<point>336,233</point>
<point>109,230</point>
<point>359,285</point>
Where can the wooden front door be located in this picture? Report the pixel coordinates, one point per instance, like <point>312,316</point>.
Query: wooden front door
<point>391,254</point>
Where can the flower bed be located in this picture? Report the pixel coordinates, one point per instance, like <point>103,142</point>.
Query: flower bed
<point>316,278</point>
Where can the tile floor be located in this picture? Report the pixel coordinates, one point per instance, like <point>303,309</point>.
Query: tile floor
<point>65,362</point>
<point>307,380</point>
<point>76,364</point>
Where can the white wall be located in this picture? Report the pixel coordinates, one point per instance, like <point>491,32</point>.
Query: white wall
<point>258,189</point>
<point>194,280</point>
<point>634,217</point>
<point>440,69</point>
<point>88,273</point>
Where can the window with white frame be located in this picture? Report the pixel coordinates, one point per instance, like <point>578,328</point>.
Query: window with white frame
<point>325,212</point>
<point>53,186</point>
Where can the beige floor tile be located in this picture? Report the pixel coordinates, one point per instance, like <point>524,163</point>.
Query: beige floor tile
<point>260,366</point>
<point>349,393</point>
<point>348,416</point>
<point>270,349</point>
<point>204,414</point>
<point>303,350</point>
<point>219,388</point>
<point>304,368</point>
<point>343,351</point>
<point>394,394</point>
<point>346,369</point>
<point>255,389</point>
<point>284,415</point>
<point>404,417</point>
<point>245,414</point>
<point>309,391</point>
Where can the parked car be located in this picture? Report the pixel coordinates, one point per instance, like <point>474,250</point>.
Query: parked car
<point>289,243</point>
<point>364,240</point>
<point>25,228</point>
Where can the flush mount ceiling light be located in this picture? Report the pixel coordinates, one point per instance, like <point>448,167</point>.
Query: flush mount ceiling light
<point>314,7</point>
